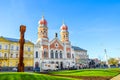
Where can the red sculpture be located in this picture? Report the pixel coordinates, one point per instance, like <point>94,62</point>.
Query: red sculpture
<point>22,41</point>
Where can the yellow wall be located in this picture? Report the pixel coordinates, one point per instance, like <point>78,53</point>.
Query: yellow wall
<point>13,61</point>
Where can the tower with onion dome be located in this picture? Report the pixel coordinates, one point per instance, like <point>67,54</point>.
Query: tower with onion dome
<point>64,33</point>
<point>42,30</point>
<point>65,39</point>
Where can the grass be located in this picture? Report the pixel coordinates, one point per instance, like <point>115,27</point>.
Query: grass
<point>90,72</point>
<point>65,75</point>
<point>29,76</point>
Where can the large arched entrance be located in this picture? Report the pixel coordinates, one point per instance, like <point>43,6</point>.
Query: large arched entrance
<point>61,65</point>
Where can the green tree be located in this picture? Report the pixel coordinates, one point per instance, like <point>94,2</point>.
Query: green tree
<point>113,61</point>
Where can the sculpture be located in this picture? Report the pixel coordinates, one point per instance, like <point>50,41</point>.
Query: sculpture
<point>22,41</point>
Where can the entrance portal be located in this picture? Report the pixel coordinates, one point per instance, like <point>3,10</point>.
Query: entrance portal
<point>61,65</point>
<point>36,64</point>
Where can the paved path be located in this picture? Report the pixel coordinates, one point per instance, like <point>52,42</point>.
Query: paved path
<point>116,77</point>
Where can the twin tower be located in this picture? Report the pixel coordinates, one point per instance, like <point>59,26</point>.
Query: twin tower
<point>43,31</point>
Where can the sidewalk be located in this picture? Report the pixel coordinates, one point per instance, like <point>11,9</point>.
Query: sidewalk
<point>116,77</point>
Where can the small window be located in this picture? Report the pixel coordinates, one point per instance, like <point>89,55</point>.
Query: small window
<point>52,54</point>
<point>72,55</point>
<point>5,55</point>
<point>16,55</point>
<point>11,55</point>
<point>60,54</point>
<point>0,46</point>
<point>56,54</point>
<point>12,47</point>
<point>68,55</point>
<point>36,54</point>
<point>17,48</point>
<point>45,54</point>
<point>29,49</point>
<point>28,55</point>
<point>0,54</point>
<point>56,45</point>
<point>6,47</point>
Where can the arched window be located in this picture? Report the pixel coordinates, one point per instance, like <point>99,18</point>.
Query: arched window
<point>56,54</point>
<point>68,55</point>
<point>36,64</point>
<point>45,54</point>
<point>52,54</point>
<point>36,54</point>
<point>60,54</point>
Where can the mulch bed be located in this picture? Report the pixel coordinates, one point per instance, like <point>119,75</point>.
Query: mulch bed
<point>82,77</point>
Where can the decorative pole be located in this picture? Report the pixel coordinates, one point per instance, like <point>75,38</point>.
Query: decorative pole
<point>22,41</point>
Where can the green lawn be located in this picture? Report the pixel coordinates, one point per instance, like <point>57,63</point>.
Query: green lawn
<point>29,76</point>
<point>67,74</point>
<point>89,72</point>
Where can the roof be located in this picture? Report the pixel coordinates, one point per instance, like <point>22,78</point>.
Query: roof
<point>14,39</point>
<point>78,48</point>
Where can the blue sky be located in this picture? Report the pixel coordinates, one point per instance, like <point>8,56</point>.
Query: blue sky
<point>93,24</point>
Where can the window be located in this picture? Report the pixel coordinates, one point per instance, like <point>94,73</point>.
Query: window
<point>17,48</point>
<point>45,54</point>
<point>52,54</point>
<point>6,47</point>
<point>29,49</point>
<point>56,54</point>
<point>0,46</point>
<point>16,55</point>
<point>12,47</point>
<point>72,55</point>
<point>56,45</point>
<point>11,55</point>
<point>68,55</point>
<point>60,54</point>
<point>36,54</point>
<point>28,55</point>
<point>5,55</point>
<point>64,36</point>
<point>0,54</point>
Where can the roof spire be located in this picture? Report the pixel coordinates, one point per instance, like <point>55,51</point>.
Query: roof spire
<point>63,22</point>
<point>42,17</point>
<point>56,35</point>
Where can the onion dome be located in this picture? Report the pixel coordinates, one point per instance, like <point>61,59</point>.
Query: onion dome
<point>64,27</point>
<point>43,21</point>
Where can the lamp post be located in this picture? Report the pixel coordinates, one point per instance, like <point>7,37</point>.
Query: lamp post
<point>22,41</point>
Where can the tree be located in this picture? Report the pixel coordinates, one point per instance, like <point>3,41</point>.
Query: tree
<point>92,64</point>
<point>113,61</point>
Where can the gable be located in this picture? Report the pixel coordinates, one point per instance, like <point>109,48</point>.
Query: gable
<point>56,44</point>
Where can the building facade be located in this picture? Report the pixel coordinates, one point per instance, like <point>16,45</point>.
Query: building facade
<point>81,57</point>
<point>57,52</point>
<point>9,53</point>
